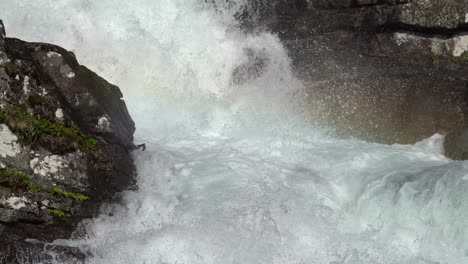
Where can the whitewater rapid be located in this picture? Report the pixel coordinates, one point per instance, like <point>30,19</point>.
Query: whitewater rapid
<point>237,172</point>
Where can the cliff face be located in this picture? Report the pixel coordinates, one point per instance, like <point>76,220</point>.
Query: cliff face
<point>389,71</point>
<point>65,143</point>
<point>443,14</point>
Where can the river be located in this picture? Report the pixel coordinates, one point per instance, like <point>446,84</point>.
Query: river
<point>237,172</point>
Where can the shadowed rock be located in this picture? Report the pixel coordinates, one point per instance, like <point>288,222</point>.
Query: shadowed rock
<point>65,149</point>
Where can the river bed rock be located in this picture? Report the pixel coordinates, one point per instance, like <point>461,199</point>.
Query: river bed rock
<point>387,71</point>
<point>65,149</point>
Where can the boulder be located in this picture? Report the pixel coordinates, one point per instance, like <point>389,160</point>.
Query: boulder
<point>65,147</point>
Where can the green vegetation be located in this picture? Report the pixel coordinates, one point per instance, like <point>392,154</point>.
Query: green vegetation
<point>456,59</point>
<point>460,59</point>
<point>17,180</point>
<point>59,213</point>
<point>35,130</point>
<point>90,142</point>
<point>436,57</point>
<point>2,114</point>
<point>70,195</point>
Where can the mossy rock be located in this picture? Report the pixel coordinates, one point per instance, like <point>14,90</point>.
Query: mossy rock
<point>56,136</point>
<point>70,195</point>
<point>57,213</point>
<point>17,180</point>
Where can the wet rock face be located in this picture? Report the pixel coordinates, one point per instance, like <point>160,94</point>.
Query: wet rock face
<point>388,71</point>
<point>456,141</point>
<point>33,252</point>
<point>435,13</point>
<point>89,99</point>
<point>447,14</point>
<point>65,143</point>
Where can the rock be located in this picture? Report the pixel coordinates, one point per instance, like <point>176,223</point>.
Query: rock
<point>375,70</point>
<point>89,98</point>
<point>456,142</point>
<point>65,143</point>
<point>2,42</point>
<point>2,30</point>
<point>286,7</point>
<point>435,13</point>
<point>441,14</point>
<point>37,252</point>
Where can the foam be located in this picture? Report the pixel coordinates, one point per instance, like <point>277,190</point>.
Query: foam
<point>234,173</point>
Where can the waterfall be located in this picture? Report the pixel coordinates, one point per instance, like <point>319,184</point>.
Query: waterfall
<point>235,170</point>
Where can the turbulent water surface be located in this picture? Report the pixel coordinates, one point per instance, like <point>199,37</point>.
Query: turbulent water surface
<point>236,172</point>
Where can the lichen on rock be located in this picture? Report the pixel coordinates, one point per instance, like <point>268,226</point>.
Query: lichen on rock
<point>9,146</point>
<point>65,143</point>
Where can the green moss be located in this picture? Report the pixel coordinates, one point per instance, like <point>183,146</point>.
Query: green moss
<point>32,187</point>
<point>460,59</point>
<point>75,196</point>
<point>436,57</point>
<point>90,142</point>
<point>2,114</point>
<point>456,59</point>
<point>35,130</point>
<point>17,180</point>
<point>59,213</point>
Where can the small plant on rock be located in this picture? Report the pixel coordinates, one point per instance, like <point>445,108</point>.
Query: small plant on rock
<point>59,213</point>
<point>436,57</point>
<point>460,59</point>
<point>75,196</point>
<point>2,114</point>
<point>17,180</point>
<point>90,142</point>
<point>35,130</point>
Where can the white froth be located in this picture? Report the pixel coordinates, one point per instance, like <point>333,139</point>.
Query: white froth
<point>233,173</point>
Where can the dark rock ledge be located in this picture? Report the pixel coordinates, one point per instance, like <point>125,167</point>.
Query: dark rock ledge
<point>387,71</point>
<point>65,143</point>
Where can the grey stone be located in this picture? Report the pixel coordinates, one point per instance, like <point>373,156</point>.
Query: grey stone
<point>75,174</point>
<point>2,30</point>
<point>435,13</point>
<point>373,71</point>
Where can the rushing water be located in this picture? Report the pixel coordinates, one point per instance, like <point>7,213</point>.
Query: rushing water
<point>236,172</point>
